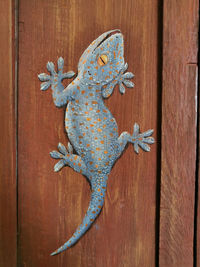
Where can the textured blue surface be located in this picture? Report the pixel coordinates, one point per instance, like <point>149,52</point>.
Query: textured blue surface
<point>91,128</point>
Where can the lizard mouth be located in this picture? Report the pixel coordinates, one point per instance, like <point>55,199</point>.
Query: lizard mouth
<point>107,36</point>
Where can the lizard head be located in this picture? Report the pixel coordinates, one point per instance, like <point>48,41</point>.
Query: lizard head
<point>102,61</point>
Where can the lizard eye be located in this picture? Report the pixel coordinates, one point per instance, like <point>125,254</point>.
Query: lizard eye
<point>102,60</point>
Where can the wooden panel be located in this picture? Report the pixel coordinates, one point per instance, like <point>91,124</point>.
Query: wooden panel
<point>8,213</point>
<point>178,132</point>
<point>52,205</point>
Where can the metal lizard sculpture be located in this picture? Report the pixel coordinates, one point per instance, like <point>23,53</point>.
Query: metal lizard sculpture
<point>91,128</point>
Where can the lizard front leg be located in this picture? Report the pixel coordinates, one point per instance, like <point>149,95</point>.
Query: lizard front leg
<point>67,158</point>
<point>60,95</point>
<point>137,139</point>
<point>121,79</point>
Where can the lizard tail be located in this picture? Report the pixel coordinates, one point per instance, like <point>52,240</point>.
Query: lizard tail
<point>95,206</point>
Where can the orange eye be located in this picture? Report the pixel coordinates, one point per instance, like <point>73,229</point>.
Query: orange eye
<point>102,60</point>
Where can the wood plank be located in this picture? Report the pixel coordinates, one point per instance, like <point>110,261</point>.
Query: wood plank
<point>180,38</point>
<point>52,205</point>
<point>8,221</point>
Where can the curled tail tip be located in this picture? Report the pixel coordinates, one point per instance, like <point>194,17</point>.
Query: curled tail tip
<point>59,250</point>
<point>94,209</point>
<point>54,253</point>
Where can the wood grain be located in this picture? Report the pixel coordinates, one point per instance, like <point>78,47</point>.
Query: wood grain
<point>8,214</point>
<point>180,35</point>
<point>52,205</point>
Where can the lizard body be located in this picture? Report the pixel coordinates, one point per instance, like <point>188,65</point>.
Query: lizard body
<point>91,128</point>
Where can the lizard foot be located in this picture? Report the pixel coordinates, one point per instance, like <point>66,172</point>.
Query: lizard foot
<point>55,78</point>
<point>141,139</point>
<point>123,79</point>
<point>63,152</point>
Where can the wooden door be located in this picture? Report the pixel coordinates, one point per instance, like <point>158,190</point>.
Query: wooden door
<point>150,216</point>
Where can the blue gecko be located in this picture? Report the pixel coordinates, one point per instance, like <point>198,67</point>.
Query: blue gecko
<point>91,128</point>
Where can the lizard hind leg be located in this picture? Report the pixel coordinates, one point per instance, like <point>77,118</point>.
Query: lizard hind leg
<point>137,139</point>
<point>95,206</point>
<point>141,139</point>
<point>67,158</point>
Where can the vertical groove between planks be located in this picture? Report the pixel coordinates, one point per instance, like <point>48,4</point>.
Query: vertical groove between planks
<point>16,116</point>
<point>197,206</point>
<point>159,122</point>
<point>195,241</point>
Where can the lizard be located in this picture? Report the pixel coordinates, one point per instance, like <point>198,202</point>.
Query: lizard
<point>91,128</point>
